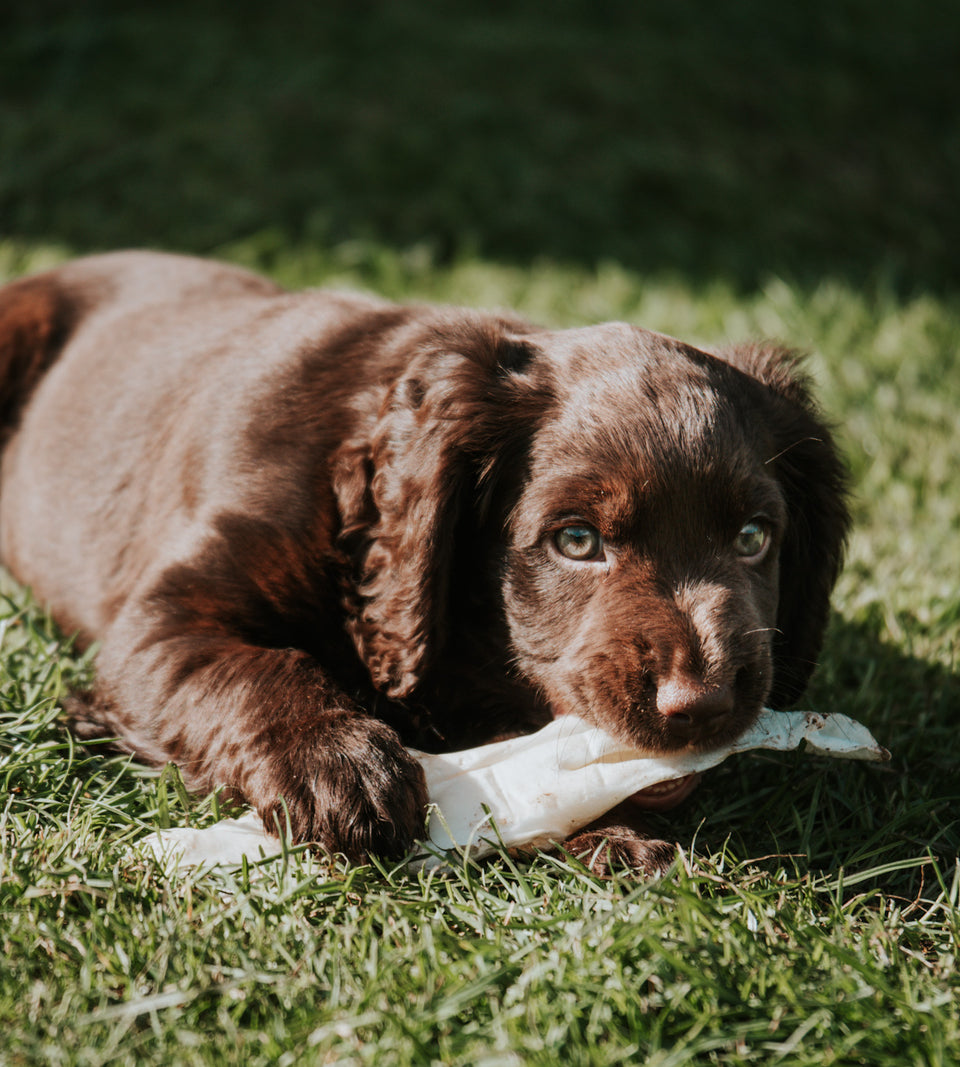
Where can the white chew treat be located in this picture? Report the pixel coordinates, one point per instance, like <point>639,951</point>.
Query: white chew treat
<point>225,843</point>
<point>538,788</point>
<point>544,786</point>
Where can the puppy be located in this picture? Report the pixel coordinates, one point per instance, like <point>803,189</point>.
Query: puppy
<point>309,529</point>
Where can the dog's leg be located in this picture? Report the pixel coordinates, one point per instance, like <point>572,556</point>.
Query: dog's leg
<point>266,723</point>
<point>620,840</point>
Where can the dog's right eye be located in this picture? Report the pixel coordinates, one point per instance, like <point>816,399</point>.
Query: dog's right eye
<point>579,542</point>
<point>752,540</point>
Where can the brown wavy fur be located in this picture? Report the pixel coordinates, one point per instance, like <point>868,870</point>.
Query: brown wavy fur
<point>310,529</point>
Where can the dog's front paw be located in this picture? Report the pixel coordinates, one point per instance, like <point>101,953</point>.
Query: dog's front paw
<point>615,848</point>
<point>355,791</point>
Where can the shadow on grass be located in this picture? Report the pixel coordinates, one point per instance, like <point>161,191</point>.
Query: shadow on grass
<point>732,141</point>
<point>831,813</point>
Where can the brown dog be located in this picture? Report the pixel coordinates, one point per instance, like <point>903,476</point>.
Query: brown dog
<point>311,528</point>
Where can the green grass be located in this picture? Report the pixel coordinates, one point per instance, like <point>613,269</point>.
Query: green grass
<point>714,171</point>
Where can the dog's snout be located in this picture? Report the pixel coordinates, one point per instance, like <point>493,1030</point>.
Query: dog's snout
<point>693,710</point>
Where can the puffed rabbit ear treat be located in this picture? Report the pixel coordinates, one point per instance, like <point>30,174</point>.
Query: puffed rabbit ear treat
<point>534,790</point>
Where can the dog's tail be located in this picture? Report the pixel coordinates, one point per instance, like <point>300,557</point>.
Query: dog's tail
<point>37,316</point>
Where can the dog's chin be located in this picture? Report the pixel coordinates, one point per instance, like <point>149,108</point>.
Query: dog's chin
<point>665,795</point>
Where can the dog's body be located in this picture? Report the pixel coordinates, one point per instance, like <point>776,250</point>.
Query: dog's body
<point>311,528</point>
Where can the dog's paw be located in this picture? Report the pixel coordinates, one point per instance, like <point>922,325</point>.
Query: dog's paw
<point>356,791</point>
<point>619,848</point>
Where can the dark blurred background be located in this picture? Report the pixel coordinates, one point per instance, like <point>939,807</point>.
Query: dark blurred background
<point>714,140</point>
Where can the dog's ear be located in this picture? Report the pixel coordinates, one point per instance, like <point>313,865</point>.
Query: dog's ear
<point>813,479</point>
<point>446,424</point>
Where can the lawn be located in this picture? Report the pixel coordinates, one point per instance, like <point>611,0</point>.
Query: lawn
<point>717,172</point>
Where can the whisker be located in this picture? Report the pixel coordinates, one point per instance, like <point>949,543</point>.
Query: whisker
<point>793,444</point>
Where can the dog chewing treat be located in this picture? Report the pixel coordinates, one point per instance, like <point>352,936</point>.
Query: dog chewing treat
<point>537,789</point>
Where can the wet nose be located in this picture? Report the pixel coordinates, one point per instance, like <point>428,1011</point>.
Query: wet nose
<point>694,711</point>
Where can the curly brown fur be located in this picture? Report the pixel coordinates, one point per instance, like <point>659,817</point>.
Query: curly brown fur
<point>309,529</point>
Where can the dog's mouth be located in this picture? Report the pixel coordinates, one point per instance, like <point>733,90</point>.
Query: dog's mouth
<point>666,795</point>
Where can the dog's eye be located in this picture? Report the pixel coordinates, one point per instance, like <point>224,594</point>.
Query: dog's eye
<point>752,540</point>
<point>580,542</point>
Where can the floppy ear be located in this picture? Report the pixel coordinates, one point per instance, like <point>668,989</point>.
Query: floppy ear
<point>813,479</point>
<point>460,406</point>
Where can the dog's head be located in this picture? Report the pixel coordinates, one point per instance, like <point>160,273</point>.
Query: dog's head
<point>663,526</point>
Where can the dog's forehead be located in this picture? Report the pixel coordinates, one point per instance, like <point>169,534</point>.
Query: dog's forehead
<point>628,389</point>
<point>643,421</point>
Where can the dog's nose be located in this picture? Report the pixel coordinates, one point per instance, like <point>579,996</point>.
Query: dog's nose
<point>694,711</point>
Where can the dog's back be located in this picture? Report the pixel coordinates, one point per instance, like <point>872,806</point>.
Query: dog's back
<point>74,403</point>
<point>36,318</point>
<point>38,313</point>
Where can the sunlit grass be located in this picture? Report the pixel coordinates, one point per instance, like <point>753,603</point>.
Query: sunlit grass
<point>811,919</point>
<point>715,172</point>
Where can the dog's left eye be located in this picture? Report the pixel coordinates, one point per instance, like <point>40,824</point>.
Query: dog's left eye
<point>752,540</point>
<point>580,542</point>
